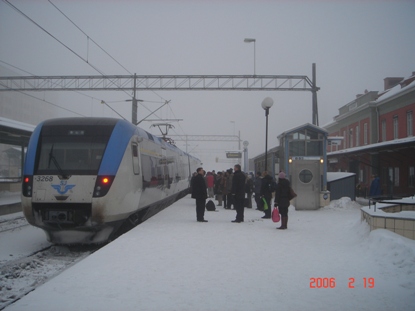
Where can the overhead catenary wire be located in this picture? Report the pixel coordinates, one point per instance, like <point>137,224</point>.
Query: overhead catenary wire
<point>89,38</point>
<point>66,46</point>
<point>59,41</point>
<point>48,102</point>
<point>102,49</point>
<point>86,60</point>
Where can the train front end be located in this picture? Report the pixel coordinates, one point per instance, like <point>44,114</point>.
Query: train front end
<point>63,187</point>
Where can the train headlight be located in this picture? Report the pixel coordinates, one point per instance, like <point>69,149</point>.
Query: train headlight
<point>102,185</point>
<point>27,186</point>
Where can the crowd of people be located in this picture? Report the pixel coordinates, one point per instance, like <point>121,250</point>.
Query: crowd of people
<point>233,189</point>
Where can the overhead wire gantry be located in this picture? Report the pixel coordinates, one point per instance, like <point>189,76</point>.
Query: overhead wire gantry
<point>166,83</point>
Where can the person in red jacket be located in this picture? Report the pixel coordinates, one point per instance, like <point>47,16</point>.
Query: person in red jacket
<point>210,182</point>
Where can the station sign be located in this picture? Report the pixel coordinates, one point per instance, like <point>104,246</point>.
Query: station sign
<point>233,155</point>
<point>306,158</point>
<point>334,140</point>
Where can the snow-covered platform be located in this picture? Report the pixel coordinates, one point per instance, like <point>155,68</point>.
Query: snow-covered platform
<point>326,260</point>
<point>395,215</point>
<point>10,202</point>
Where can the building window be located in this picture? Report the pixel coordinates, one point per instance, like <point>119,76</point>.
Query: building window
<point>395,127</point>
<point>396,179</point>
<point>357,136</point>
<point>409,123</point>
<point>365,134</point>
<point>351,138</point>
<point>383,130</point>
<point>411,177</point>
<point>344,139</point>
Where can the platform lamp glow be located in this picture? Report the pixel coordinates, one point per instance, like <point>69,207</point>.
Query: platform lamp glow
<point>266,105</point>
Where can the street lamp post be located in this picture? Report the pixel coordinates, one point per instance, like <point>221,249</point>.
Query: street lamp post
<point>249,40</point>
<point>266,105</point>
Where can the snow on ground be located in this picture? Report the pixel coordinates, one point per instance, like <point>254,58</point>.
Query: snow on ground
<point>172,262</point>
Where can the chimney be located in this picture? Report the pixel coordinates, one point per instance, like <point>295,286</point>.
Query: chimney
<point>390,82</point>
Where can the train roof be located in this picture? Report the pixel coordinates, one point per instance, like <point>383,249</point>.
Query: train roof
<point>81,121</point>
<point>112,122</point>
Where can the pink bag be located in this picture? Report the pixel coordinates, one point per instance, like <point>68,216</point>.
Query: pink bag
<point>275,215</point>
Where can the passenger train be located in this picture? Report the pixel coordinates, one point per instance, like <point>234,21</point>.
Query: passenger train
<point>87,179</point>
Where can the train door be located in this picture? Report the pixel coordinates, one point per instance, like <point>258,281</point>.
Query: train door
<point>138,178</point>
<point>306,183</point>
<point>136,158</point>
<point>164,168</point>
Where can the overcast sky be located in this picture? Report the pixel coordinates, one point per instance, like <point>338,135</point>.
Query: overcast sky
<point>355,45</point>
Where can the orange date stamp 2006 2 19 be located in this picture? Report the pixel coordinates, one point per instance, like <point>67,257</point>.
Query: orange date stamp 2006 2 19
<point>331,282</point>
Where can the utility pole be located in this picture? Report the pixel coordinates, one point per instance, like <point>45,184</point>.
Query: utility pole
<point>134,107</point>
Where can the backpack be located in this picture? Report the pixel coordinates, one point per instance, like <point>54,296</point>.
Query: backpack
<point>210,206</point>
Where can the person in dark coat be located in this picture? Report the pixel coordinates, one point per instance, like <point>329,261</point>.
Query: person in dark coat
<point>282,199</point>
<point>266,192</point>
<point>199,192</point>
<point>249,188</point>
<point>257,187</point>
<point>238,192</point>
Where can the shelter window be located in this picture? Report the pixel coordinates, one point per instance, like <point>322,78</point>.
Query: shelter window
<point>305,176</point>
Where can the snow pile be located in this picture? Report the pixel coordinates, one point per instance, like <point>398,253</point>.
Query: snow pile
<point>343,203</point>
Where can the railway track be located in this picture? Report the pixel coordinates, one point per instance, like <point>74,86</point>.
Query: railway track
<point>19,275</point>
<point>12,224</point>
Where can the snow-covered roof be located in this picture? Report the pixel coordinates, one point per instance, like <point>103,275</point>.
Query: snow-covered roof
<point>16,124</point>
<point>332,176</point>
<point>376,145</point>
<point>308,125</point>
<point>396,90</point>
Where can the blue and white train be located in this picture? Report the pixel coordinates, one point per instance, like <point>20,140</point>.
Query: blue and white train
<point>87,179</point>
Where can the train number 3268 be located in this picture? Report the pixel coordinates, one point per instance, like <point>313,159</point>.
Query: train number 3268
<point>44,178</point>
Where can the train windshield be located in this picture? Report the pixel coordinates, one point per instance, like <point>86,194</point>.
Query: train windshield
<point>70,154</point>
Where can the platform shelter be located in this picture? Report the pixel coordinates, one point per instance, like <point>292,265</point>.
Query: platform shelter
<point>303,158</point>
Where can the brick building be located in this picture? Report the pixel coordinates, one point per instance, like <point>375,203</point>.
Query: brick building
<point>377,138</point>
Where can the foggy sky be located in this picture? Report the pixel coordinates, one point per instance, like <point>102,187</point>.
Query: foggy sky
<point>355,45</point>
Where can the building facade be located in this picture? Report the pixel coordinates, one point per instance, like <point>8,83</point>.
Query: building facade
<point>376,137</point>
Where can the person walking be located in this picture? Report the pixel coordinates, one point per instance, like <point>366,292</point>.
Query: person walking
<point>282,199</point>
<point>199,192</point>
<point>266,192</point>
<point>238,192</point>
<point>257,190</point>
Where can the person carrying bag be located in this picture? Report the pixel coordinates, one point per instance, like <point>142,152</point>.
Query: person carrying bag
<point>282,199</point>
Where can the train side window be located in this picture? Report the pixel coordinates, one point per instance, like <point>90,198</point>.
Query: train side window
<point>136,159</point>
